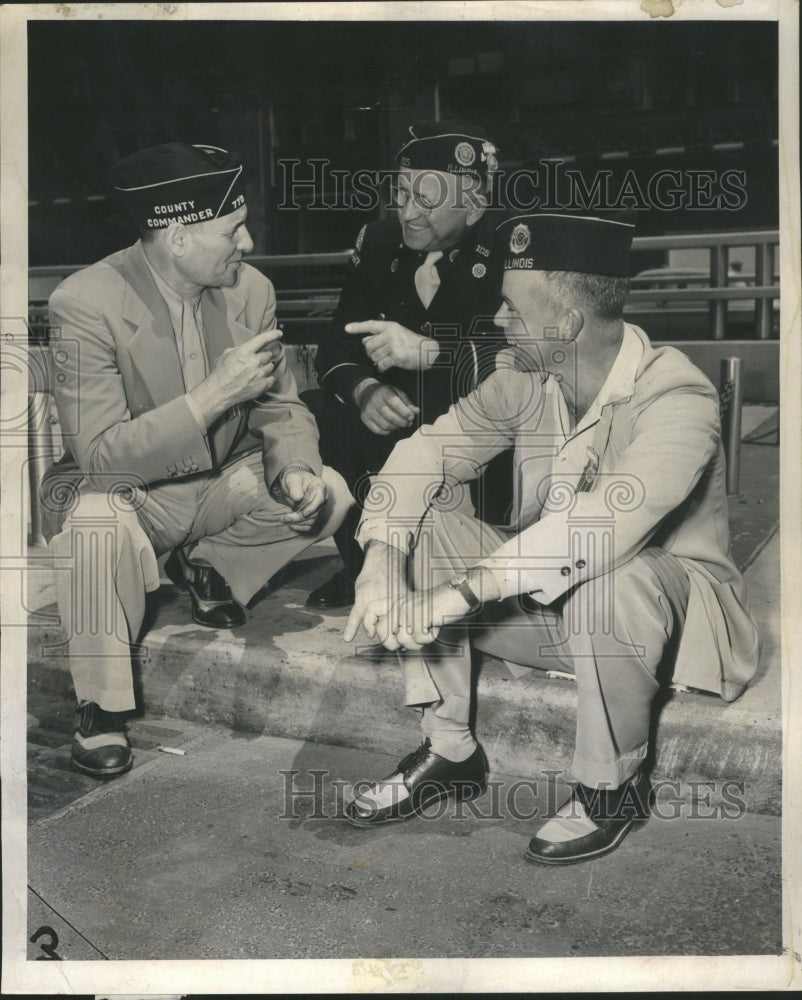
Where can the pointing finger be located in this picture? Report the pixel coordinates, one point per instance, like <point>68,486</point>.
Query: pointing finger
<point>365,326</point>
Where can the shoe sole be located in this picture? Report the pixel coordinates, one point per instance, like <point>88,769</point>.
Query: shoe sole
<point>608,849</point>
<point>106,772</point>
<point>455,793</point>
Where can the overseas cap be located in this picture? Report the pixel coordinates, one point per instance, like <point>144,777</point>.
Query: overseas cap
<point>451,147</point>
<point>178,182</point>
<point>546,242</point>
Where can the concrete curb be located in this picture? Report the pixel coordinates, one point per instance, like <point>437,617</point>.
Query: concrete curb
<point>288,673</point>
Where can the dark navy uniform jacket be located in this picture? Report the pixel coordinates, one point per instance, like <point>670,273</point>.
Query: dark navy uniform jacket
<point>380,284</point>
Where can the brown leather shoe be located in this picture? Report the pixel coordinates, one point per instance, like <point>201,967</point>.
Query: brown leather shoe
<point>429,778</point>
<point>100,746</point>
<point>213,604</point>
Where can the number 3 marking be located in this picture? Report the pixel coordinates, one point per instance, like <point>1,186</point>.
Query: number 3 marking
<point>48,947</point>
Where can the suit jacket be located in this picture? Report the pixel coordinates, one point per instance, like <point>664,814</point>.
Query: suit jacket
<point>120,391</point>
<point>380,283</point>
<point>644,468</point>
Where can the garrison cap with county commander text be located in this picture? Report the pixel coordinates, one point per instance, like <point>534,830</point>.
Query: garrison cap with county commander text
<point>178,182</point>
<point>552,242</point>
<point>451,147</point>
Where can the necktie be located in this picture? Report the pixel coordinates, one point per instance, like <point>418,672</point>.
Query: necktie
<point>427,280</point>
<point>193,361</point>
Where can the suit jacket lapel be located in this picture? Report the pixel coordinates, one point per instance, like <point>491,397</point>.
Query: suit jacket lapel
<point>152,347</point>
<point>222,329</point>
<point>154,354</point>
<point>222,326</point>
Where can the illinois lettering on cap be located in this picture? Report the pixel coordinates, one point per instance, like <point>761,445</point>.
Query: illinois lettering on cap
<point>550,242</point>
<point>450,147</point>
<point>178,182</point>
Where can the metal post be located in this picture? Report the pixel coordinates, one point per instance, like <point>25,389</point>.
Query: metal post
<point>731,394</point>
<point>719,265</point>
<point>764,275</point>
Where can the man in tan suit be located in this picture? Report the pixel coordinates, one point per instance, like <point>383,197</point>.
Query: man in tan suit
<point>617,556</point>
<point>182,427</point>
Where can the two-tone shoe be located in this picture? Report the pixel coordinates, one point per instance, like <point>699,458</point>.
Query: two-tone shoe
<point>213,604</point>
<point>428,778</point>
<point>592,823</point>
<point>100,746</point>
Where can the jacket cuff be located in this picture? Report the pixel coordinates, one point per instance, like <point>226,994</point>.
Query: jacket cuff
<point>195,410</point>
<point>379,529</point>
<point>341,380</point>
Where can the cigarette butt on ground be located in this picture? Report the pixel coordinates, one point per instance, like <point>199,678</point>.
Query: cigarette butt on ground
<point>174,750</point>
<point>560,675</point>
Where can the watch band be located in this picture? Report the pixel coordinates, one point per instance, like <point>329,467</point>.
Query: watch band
<point>292,468</point>
<point>460,583</point>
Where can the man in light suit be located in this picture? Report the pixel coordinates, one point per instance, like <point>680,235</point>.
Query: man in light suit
<point>182,427</point>
<point>618,554</point>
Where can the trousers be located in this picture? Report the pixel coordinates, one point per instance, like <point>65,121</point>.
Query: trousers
<point>611,632</point>
<point>105,559</point>
<point>357,453</point>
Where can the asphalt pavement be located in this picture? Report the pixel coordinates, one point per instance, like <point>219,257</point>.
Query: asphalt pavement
<point>238,849</point>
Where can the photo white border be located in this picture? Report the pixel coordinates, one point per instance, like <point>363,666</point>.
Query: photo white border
<point>400,975</point>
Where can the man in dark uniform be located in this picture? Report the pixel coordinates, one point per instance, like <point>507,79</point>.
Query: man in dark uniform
<point>413,331</point>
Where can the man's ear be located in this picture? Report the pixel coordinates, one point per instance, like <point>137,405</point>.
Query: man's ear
<point>176,239</point>
<point>477,204</point>
<point>570,323</point>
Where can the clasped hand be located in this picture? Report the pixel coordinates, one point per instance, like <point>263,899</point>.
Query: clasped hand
<point>410,622</point>
<point>398,617</point>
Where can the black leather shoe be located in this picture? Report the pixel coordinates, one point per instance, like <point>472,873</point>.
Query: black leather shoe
<point>338,592</point>
<point>614,812</point>
<point>429,778</point>
<point>100,746</point>
<point>212,602</point>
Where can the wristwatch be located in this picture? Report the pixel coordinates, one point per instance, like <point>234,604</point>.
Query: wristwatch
<point>460,583</point>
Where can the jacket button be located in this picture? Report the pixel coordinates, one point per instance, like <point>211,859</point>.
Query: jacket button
<point>427,327</point>
<point>580,564</point>
<point>565,571</point>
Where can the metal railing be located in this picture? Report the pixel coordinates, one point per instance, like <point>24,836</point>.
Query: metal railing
<point>718,292</point>
<point>309,294</point>
<point>308,306</point>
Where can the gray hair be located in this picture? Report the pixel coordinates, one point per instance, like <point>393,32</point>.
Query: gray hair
<point>602,294</point>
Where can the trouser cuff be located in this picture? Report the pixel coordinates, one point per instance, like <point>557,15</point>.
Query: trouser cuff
<point>608,774</point>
